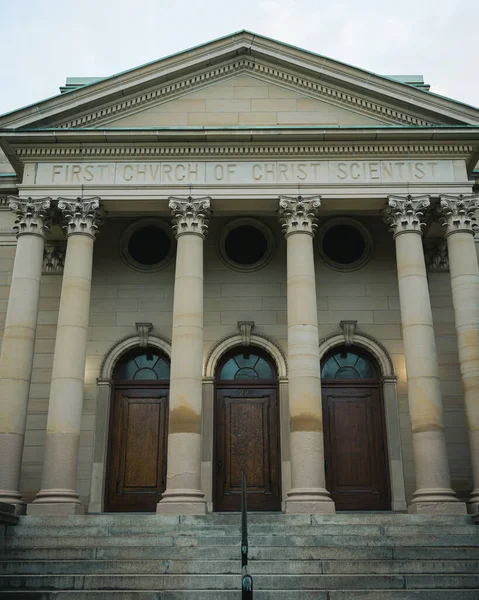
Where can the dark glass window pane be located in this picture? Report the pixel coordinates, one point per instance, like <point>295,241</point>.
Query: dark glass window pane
<point>128,370</point>
<point>343,244</point>
<point>346,359</point>
<point>146,360</point>
<point>149,245</point>
<point>246,373</point>
<point>365,369</point>
<point>347,373</point>
<point>347,366</point>
<point>162,369</point>
<point>246,360</point>
<point>229,370</point>
<point>263,369</point>
<point>245,245</point>
<point>145,373</point>
<point>329,368</point>
<point>144,366</point>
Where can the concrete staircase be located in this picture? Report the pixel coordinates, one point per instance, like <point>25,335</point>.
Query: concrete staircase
<point>300,557</point>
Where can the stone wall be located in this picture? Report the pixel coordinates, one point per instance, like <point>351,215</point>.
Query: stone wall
<point>121,297</point>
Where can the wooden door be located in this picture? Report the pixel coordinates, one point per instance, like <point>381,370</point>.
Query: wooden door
<point>355,453</point>
<point>136,473</point>
<point>247,439</point>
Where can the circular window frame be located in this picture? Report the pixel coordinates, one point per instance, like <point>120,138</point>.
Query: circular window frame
<point>250,222</point>
<point>130,230</point>
<point>366,235</point>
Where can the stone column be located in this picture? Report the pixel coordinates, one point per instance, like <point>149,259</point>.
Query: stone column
<point>16,360</point>
<point>433,485</point>
<point>308,494</point>
<point>183,493</point>
<point>58,493</point>
<point>457,214</point>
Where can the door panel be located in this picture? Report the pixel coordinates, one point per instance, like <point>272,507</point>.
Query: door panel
<point>136,473</point>
<point>247,438</point>
<point>355,448</point>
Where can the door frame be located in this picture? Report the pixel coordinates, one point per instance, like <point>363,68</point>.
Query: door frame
<point>244,384</point>
<point>104,403</point>
<point>388,387</point>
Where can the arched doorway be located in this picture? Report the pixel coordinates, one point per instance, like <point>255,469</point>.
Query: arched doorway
<point>356,462</point>
<point>136,466</point>
<point>246,431</point>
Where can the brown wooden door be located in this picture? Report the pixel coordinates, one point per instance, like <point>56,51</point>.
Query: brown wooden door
<point>136,473</point>
<point>355,446</point>
<point>247,438</point>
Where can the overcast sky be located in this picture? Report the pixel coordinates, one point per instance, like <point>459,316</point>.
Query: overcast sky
<point>45,41</point>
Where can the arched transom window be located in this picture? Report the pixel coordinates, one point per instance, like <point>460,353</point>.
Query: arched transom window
<point>246,366</point>
<point>347,365</point>
<point>143,365</point>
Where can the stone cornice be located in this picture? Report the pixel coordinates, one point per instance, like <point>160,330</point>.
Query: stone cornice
<point>267,72</point>
<point>148,152</point>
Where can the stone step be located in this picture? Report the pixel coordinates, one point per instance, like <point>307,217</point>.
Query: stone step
<point>258,529</point>
<point>254,540</point>
<point>227,553</point>
<point>233,567</point>
<point>388,594</point>
<point>230,582</point>
<point>214,519</point>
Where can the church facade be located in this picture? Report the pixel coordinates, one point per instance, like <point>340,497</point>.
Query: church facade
<point>242,257</point>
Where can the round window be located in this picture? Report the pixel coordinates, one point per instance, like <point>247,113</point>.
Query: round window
<point>147,245</point>
<point>344,244</point>
<point>246,244</point>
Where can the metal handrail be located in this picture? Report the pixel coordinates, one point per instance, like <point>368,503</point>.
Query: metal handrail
<point>246,578</point>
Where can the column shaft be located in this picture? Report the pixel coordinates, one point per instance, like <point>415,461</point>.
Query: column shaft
<point>16,361</point>
<point>308,493</point>
<point>58,494</point>
<point>183,494</point>
<point>433,487</point>
<point>458,215</point>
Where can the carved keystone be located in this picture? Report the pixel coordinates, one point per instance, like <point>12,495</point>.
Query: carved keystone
<point>246,327</point>
<point>144,333</point>
<point>349,329</point>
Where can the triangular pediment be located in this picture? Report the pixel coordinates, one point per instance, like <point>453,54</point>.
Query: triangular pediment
<point>245,100</point>
<point>243,80</point>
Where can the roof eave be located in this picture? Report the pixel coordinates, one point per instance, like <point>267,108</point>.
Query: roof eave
<point>211,53</point>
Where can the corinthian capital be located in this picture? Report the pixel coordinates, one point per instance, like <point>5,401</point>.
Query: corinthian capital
<point>33,216</point>
<point>299,214</point>
<point>80,215</point>
<point>190,215</point>
<point>405,213</point>
<point>458,213</point>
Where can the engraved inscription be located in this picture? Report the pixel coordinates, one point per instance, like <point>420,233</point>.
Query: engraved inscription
<point>168,173</point>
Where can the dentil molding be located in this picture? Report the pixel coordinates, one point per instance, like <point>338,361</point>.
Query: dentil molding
<point>385,151</point>
<point>266,72</point>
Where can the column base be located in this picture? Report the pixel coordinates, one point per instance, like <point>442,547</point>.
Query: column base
<point>182,502</point>
<point>473,502</point>
<point>436,501</point>
<point>55,509</point>
<point>311,501</point>
<point>56,502</point>
<point>15,499</point>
